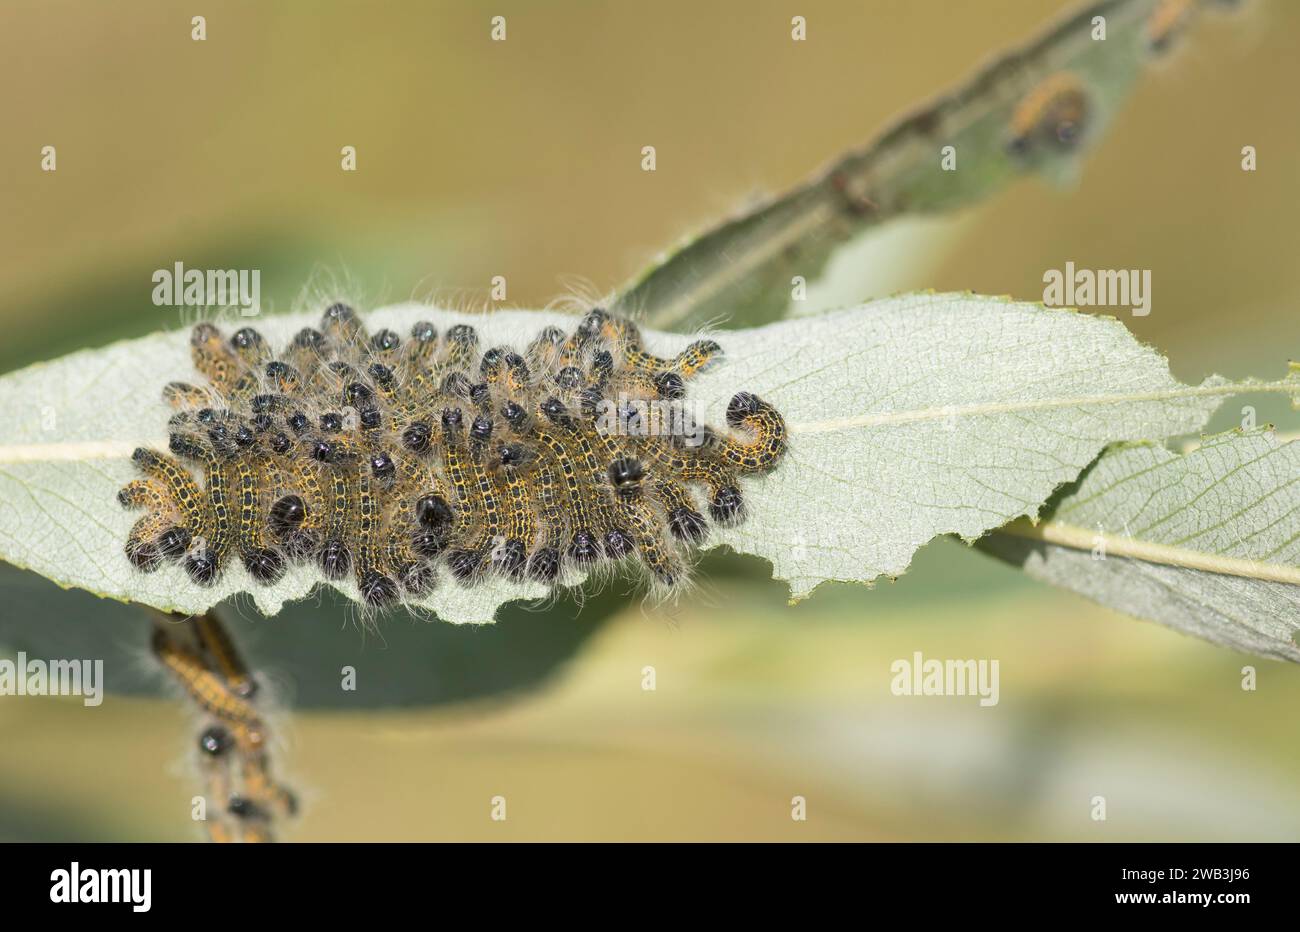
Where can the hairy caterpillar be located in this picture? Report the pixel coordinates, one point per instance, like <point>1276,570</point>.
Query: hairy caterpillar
<point>385,457</point>
<point>1051,117</point>
<point>1166,23</point>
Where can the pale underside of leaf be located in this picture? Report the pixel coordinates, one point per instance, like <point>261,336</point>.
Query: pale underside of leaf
<point>1207,542</point>
<point>910,418</point>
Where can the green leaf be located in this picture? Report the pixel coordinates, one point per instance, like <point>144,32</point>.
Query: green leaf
<point>909,417</point>
<point>740,272</point>
<point>1207,542</point>
<point>309,642</point>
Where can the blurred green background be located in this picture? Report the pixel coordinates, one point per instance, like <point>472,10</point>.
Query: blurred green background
<point>522,159</point>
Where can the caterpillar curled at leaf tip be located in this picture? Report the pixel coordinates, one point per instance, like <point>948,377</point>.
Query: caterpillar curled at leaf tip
<point>405,463</point>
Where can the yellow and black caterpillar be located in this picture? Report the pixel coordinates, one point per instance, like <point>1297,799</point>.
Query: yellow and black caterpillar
<point>384,457</point>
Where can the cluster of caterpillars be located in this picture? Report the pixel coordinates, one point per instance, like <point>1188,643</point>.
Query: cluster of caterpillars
<point>384,456</point>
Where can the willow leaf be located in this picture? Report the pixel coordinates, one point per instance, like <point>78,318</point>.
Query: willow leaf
<point>1207,542</point>
<point>909,417</point>
<point>741,271</point>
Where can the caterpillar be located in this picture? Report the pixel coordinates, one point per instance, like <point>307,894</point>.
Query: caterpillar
<point>385,458</point>
<point>1166,22</point>
<point>1052,117</point>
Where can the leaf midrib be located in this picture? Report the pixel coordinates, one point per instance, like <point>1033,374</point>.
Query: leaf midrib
<point>113,449</point>
<point>1078,538</point>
